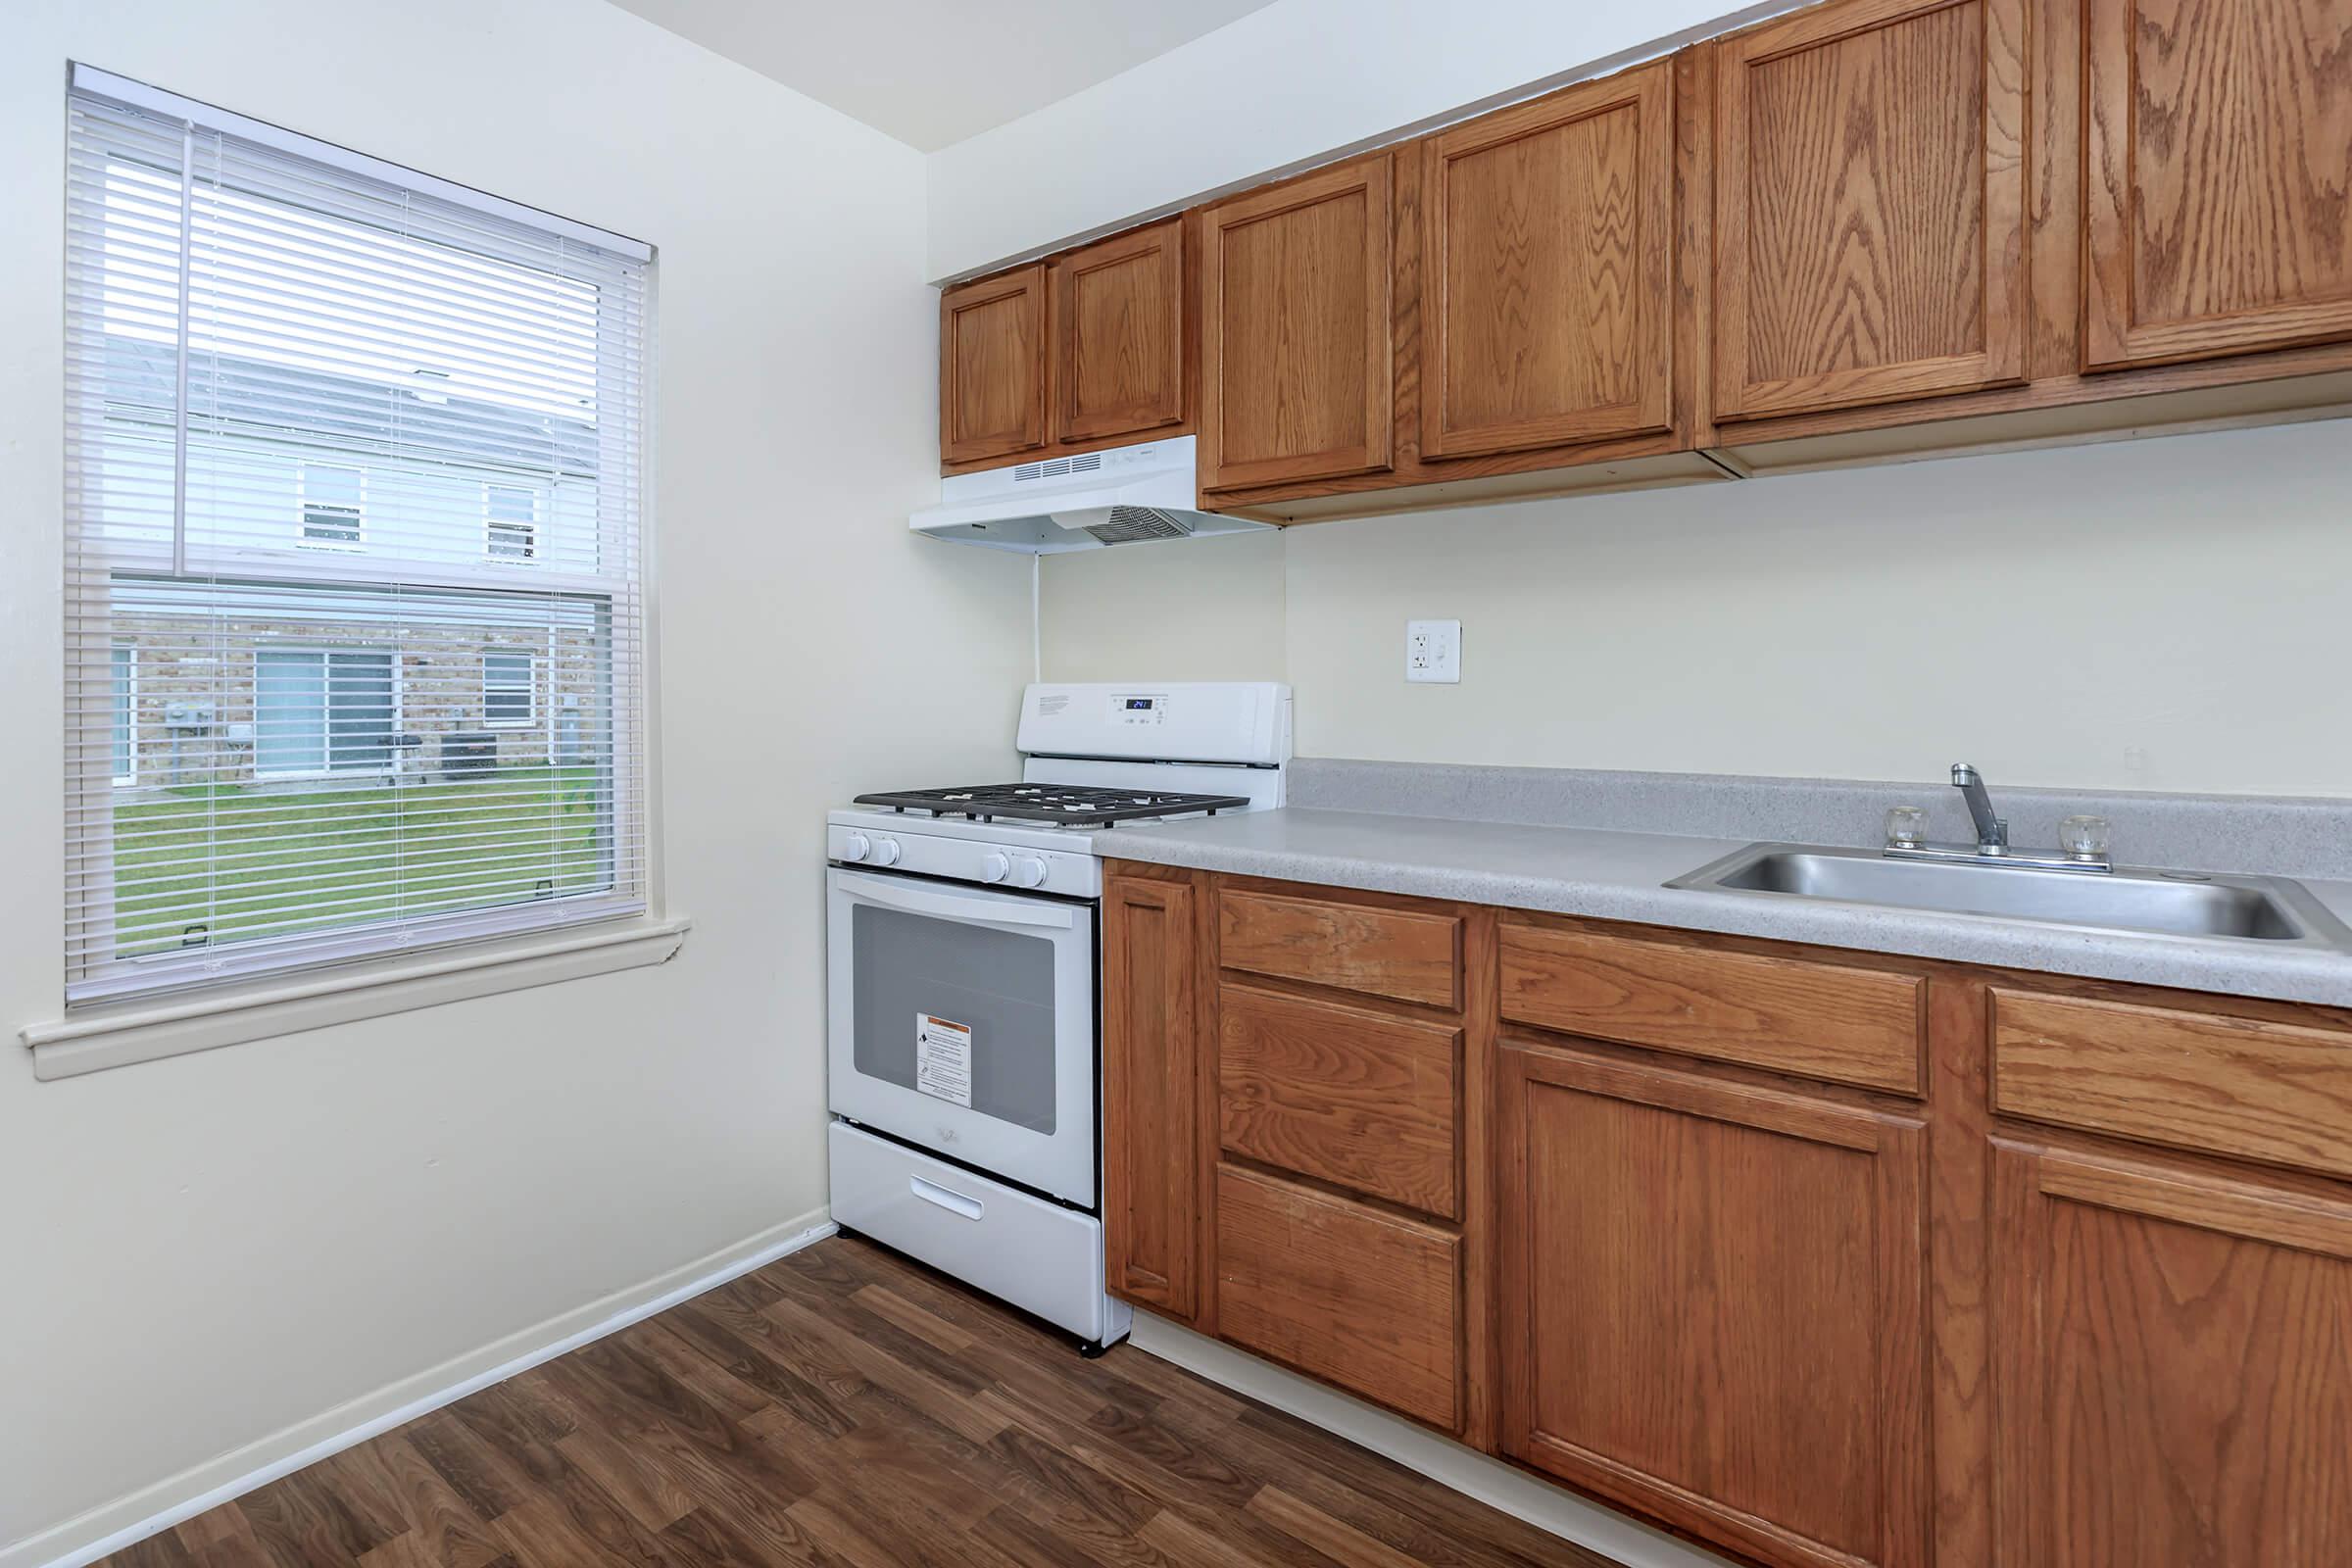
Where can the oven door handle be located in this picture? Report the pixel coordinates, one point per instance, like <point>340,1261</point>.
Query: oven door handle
<point>955,907</point>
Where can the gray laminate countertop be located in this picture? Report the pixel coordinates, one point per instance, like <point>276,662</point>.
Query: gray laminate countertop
<point>1617,876</point>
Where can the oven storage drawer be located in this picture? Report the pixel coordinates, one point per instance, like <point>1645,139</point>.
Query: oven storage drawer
<point>1038,1255</point>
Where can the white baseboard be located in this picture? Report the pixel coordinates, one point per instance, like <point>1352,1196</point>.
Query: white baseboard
<point>113,1526</point>
<point>1465,1470</point>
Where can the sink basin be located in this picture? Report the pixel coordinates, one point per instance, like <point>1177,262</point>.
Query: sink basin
<point>2177,903</point>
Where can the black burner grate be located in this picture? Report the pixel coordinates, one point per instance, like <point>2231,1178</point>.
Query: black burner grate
<point>1068,805</point>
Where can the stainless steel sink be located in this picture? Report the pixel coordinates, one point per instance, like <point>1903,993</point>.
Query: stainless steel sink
<point>2178,904</point>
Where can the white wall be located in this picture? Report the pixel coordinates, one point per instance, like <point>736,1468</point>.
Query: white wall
<point>1190,610</point>
<point>1295,83</point>
<point>2172,614</point>
<point>203,1253</point>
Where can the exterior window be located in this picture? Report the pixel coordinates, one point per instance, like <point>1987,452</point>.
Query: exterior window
<point>330,506</point>
<point>319,711</point>
<point>510,690</point>
<point>511,513</point>
<point>125,661</point>
<point>355,471</point>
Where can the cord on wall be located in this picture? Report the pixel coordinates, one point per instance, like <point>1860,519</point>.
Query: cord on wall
<point>1037,634</point>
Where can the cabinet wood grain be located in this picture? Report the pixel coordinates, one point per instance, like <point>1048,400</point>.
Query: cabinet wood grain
<point>1547,269</point>
<point>1151,1064</point>
<point>1411,954</point>
<point>1119,335</point>
<point>2269,1092</point>
<point>1870,205</point>
<point>2218,195</point>
<point>1355,1296</point>
<point>1711,1307</point>
<point>992,366</point>
<point>1346,1095</point>
<point>2176,1380</point>
<point>1296,347</point>
<point>1816,1021</point>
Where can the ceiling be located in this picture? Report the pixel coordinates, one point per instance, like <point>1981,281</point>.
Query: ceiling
<point>934,72</point>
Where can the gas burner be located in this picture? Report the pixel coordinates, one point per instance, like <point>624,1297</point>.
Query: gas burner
<point>1065,805</point>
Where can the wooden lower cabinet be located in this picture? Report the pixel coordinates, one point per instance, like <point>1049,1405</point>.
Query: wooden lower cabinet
<point>2175,1359</point>
<point>1711,1306</point>
<point>1654,1214</point>
<point>1150,1054</point>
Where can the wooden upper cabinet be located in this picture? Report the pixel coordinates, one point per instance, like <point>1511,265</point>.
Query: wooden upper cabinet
<point>1548,247</point>
<point>1117,310</point>
<point>992,366</point>
<point>2218,177</point>
<point>1869,205</point>
<point>1296,335</point>
<point>1150,1065</point>
<point>2174,1379</point>
<point>1711,1302</point>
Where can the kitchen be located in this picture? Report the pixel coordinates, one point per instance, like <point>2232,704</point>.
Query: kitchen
<point>1562,1076</point>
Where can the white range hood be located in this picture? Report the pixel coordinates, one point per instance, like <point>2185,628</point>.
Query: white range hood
<point>1118,496</point>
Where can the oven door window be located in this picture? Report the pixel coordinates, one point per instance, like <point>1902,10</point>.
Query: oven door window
<point>955,1011</point>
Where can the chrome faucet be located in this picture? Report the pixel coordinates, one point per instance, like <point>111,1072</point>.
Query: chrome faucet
<point>2088,833</point>
<point>1993,833</point>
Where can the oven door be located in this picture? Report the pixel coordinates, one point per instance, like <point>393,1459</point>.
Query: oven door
<point>963,1022</point>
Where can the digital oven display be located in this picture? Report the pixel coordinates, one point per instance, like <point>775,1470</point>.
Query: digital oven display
<point>1141,705</point>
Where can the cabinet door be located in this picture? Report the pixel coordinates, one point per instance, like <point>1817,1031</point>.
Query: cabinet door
<point>1151,1063</point>
<point>992,366</point>
<point>2176,1367</point>
<point>1711,1306</point>
<point>1550,264</point>
<point>2218,180</point>
<point>1870,203</point>
<point>1118,335</point>
<point>1295,360</point>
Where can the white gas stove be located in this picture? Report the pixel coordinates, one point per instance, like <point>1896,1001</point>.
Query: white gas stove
<point>963,981</point>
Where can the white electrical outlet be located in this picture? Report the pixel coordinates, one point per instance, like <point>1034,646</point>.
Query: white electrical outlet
<point>1433,651</point>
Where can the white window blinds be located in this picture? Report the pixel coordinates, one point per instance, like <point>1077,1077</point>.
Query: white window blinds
<point>354,618</point>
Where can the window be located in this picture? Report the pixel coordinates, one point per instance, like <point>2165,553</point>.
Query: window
<point>125,661</point>
<point>510,689</point>
<point>330,506</point>
<point>320,409</point>
<point>511,525</point>
<point>318,711</point>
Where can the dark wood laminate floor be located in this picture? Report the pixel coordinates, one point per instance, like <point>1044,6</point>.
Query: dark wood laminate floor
<point>845,1406</point>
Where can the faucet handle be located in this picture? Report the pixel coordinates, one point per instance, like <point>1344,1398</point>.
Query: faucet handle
<point>2083,838</point>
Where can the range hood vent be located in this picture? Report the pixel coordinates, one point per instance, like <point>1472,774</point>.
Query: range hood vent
<point>1129,525</point>
<point>1118,496</point>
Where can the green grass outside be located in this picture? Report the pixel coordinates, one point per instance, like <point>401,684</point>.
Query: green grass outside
<point>281,861</point>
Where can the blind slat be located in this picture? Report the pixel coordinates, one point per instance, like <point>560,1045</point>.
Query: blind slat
<point>354,647</point>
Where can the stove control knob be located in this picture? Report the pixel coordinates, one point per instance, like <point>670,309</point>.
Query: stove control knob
<point>853,847</point>
<point>993,868</point>
<point>886,852</point>
<point>1028,871</point>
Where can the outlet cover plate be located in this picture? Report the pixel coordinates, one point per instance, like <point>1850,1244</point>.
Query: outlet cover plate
<point>1433,651</point>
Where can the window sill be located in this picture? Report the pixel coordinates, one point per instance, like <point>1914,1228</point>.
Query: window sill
<point>121,1034</point>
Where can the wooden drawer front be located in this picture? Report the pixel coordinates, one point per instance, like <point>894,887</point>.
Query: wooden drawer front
<point>2271,1092</point>
<point>1348,1095</point>
<point>1383,952</point>
<point>1348,1294</point>
<point>1792,1016</point>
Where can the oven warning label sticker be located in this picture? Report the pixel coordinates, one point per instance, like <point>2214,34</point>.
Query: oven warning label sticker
<point>943,1059</point>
